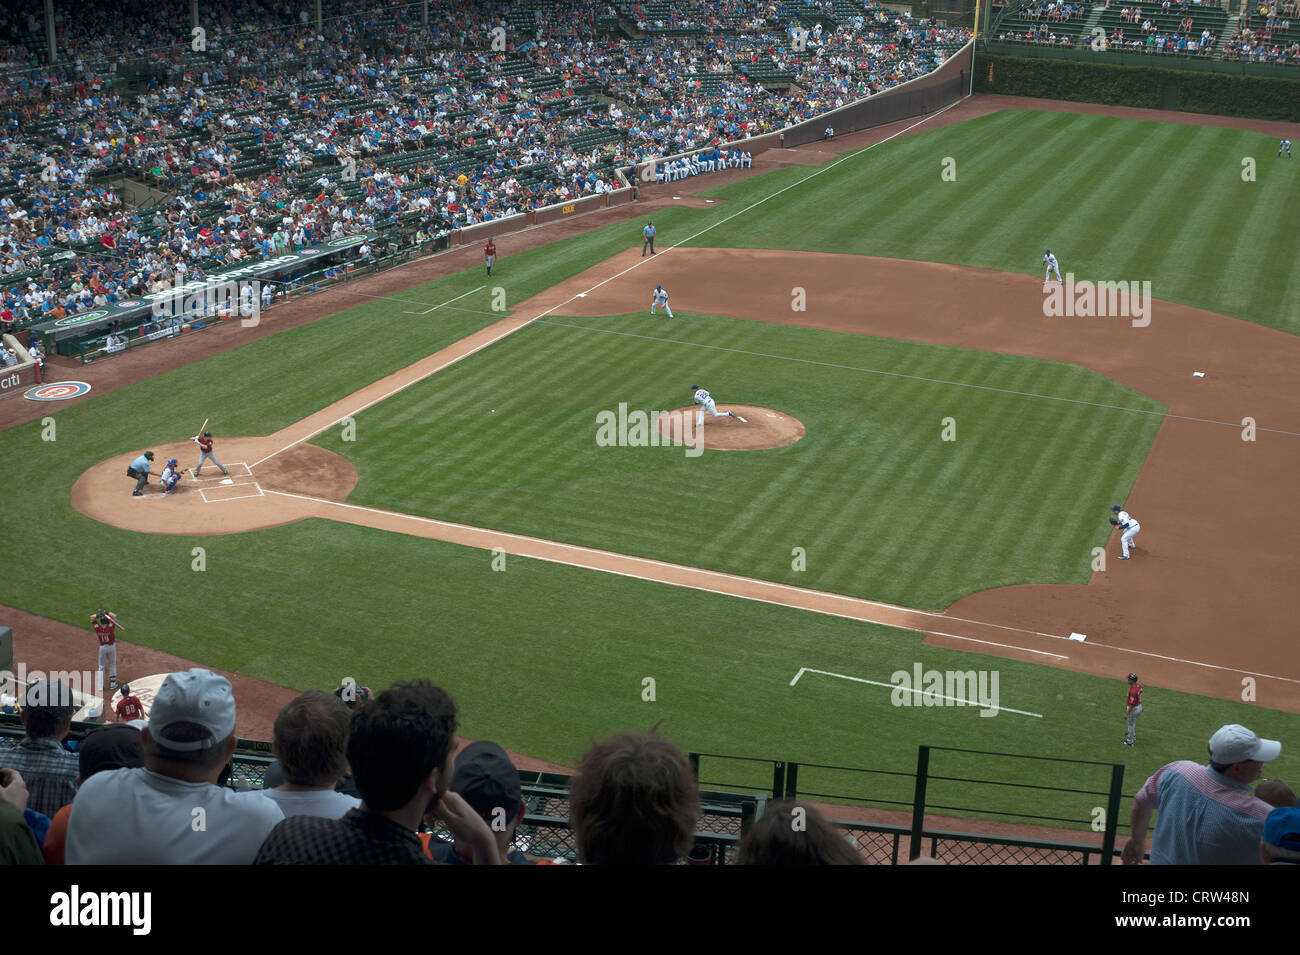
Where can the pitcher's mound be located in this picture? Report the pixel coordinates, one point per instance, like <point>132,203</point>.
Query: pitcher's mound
<point>762,428</point>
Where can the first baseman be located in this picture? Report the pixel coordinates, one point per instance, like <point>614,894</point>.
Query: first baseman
<point>105,624</point>
<point>1129,527</point>
<point>705,401</point>
<point>1051,265</point>
<point>1133,709</point>
<point>204,441</point>
<point>660,298</point>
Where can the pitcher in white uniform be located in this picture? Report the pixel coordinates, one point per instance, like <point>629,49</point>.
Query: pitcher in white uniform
<point>1128,528</point>
<point>705,401</point>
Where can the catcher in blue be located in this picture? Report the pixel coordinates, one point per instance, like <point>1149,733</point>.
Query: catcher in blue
<point>705,401</point>
<point>660,298</point>
<point>1129,528</point>
<point>170,477</point>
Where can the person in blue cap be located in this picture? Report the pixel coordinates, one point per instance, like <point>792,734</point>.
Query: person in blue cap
<point>1128,526</point>
<point>1280,842</point>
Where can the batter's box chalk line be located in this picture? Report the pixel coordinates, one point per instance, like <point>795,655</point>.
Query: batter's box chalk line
<point>218,477</point>
<point>235,497</point>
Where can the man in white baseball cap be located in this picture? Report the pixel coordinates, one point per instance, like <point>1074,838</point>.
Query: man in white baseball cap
<point>1206,815</point>
<point>170,811</point>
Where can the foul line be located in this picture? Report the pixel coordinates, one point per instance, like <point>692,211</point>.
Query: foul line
<point>894,686</point>
<point>434,308</point>
<point>859,601</point>
<point>717,574</point>
<point>897,374</point>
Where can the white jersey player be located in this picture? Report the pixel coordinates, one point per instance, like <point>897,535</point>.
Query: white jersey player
<point>1284,146</point>
<point>705,401</point>
<point>1128,530</point>
<point>660,298</point>
<point>1051,265</point>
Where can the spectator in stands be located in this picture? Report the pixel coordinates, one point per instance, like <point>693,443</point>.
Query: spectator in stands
<point>1205,815</point>
<point>49,770</point>
<point>150,815</point>
<point>795,833</point>
<point>1279,843</point>
<point>116,746</point>
<point>400,749</point>
<point>18,844</point>
<point>633,801</point>
<point>1276,793</point>
<point>310,739</point>
<point>486,779</point>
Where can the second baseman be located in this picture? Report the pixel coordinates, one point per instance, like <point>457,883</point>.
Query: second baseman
<point>1051,265</point>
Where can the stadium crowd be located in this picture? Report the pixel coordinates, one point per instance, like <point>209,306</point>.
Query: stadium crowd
<point>364,778</point>
<point>279,136</point>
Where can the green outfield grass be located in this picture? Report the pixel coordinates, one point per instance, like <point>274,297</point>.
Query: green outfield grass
<point>880,504</point>
<point>1115,199</point>
<point>544,657</point>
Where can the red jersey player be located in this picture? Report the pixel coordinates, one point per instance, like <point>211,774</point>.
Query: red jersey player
<point>129,707</point>
<point>1133,709</point>
<point>105,623</point>
<point>490,254</point>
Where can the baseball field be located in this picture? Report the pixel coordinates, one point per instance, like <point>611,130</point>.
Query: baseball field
<point>930,454</point>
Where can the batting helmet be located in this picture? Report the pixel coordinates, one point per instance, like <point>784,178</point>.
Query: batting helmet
<point>207,434</point>
<point>1132,677</point>
<point>126,691</point>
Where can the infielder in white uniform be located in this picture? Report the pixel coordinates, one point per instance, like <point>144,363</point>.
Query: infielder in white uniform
<point>1051,265</point>
<point>1125,522</point>
<point>705,401</point>
<point>660,298</point>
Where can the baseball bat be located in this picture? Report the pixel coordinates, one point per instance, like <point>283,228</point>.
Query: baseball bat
<point>201,427</point>
<point>113,617</point>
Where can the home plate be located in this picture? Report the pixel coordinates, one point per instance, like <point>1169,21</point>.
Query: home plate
<point>226,481</point>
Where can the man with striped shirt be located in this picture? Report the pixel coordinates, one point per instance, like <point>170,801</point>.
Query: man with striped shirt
<point>1206,815</point>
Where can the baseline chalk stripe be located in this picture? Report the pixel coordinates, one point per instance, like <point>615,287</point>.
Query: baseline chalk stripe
<point>894,686</point>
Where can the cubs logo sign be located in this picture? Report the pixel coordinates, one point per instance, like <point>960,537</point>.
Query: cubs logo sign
<point>57,391</point>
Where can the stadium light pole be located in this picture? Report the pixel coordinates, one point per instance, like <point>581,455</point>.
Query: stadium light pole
<point>318,20</point>
<point>194,13</point>
<point>974,39</point>
<point>49,28</point>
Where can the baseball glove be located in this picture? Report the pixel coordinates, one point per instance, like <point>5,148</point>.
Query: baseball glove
<point>1114,522</point>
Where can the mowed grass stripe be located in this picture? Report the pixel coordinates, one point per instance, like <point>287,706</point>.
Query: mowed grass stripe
<point>868,461</point>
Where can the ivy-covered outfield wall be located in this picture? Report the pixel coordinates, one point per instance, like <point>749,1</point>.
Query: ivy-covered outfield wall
<point>1192,90</point>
